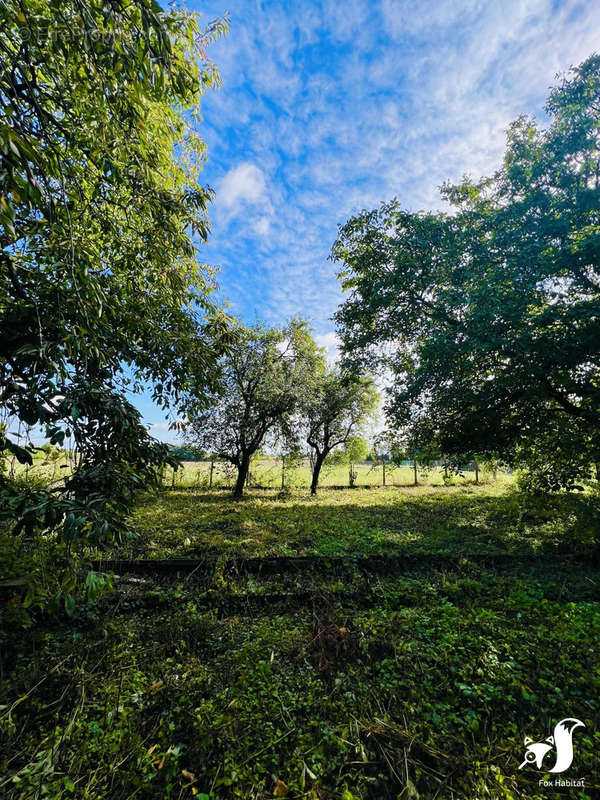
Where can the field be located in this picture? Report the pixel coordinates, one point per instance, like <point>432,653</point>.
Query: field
<point>268,473</point>
<point>366,643</point>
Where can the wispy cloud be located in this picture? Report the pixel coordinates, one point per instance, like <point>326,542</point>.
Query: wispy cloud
<point>327,108</point>
<point>158,427</point>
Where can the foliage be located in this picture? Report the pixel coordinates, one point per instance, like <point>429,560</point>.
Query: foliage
<point>548,466</point>
<point>361,683</point>
<point>489,317</point>
<point>99,284</point>
<point>355,450</point>
<point>116,460</point>
<point>333,408</point>
<point>186,453</point>
<point>262,378</point>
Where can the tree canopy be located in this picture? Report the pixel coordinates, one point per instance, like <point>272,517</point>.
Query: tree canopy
<point>489,316</point>
<point>333,409</point>
<point>262,380</point>
<point>100,288</point>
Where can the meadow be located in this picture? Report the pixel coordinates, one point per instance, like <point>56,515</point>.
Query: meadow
<point>268,473</point>
<point>364,643</point>
<point>54,465</point>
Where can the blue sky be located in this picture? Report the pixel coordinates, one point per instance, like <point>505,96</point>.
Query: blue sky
<point>330,107</point>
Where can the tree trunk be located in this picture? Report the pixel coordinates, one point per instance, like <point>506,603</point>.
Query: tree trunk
<point>242,476</point>
<point>416,481</point>
<point>212,469</point>
<point>282,474</point>
<point>315,475</point>
<point>383,462</point>
<point>476,472</point>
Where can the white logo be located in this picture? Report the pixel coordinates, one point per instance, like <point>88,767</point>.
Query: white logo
<point>561,742</point>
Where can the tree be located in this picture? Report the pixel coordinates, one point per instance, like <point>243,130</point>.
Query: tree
<point>421,446</point>
<point>489,318</point>
<point>100,289</point>
<point>186,453</point>
<point>262,378</point>
<point>333,408</point>
<point>355,450</point>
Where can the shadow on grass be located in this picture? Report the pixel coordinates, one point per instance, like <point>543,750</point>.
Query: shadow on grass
<point>462,521</point>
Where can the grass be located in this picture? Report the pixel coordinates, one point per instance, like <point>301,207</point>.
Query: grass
<point>53,466</point>
<point>416,676</point>
<point>268,473</point>
<point>458,520</point>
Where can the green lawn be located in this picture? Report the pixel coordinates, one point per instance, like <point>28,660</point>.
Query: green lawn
<point>340,674</point>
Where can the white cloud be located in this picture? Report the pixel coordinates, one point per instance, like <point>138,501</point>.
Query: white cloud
<point>155,427</point>
<point>327,109</point>
<point>242,184</point>
<point>262,226</point>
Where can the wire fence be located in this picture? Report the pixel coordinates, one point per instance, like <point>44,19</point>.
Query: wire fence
<point>275,474</point>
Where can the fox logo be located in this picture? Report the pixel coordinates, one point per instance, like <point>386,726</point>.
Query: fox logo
<point>561,741</point>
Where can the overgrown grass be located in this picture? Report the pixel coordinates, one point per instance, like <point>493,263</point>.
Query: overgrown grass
<point>346,681</point>
<point>456,520</point>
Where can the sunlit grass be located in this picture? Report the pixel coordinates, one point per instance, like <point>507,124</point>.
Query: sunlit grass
<point>491,518</point>
<point>336,666</point>
<point>269,473</point>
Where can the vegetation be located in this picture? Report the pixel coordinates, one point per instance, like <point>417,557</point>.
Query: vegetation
<point>488,317</point>
<point>99,283</point>
<point>297,473</point>
<point>472,622</point>
<point>185,453</point>
<point>333,409</point>
<point>460,520</point>
<point>262,380</point>
<point>396,642</point>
